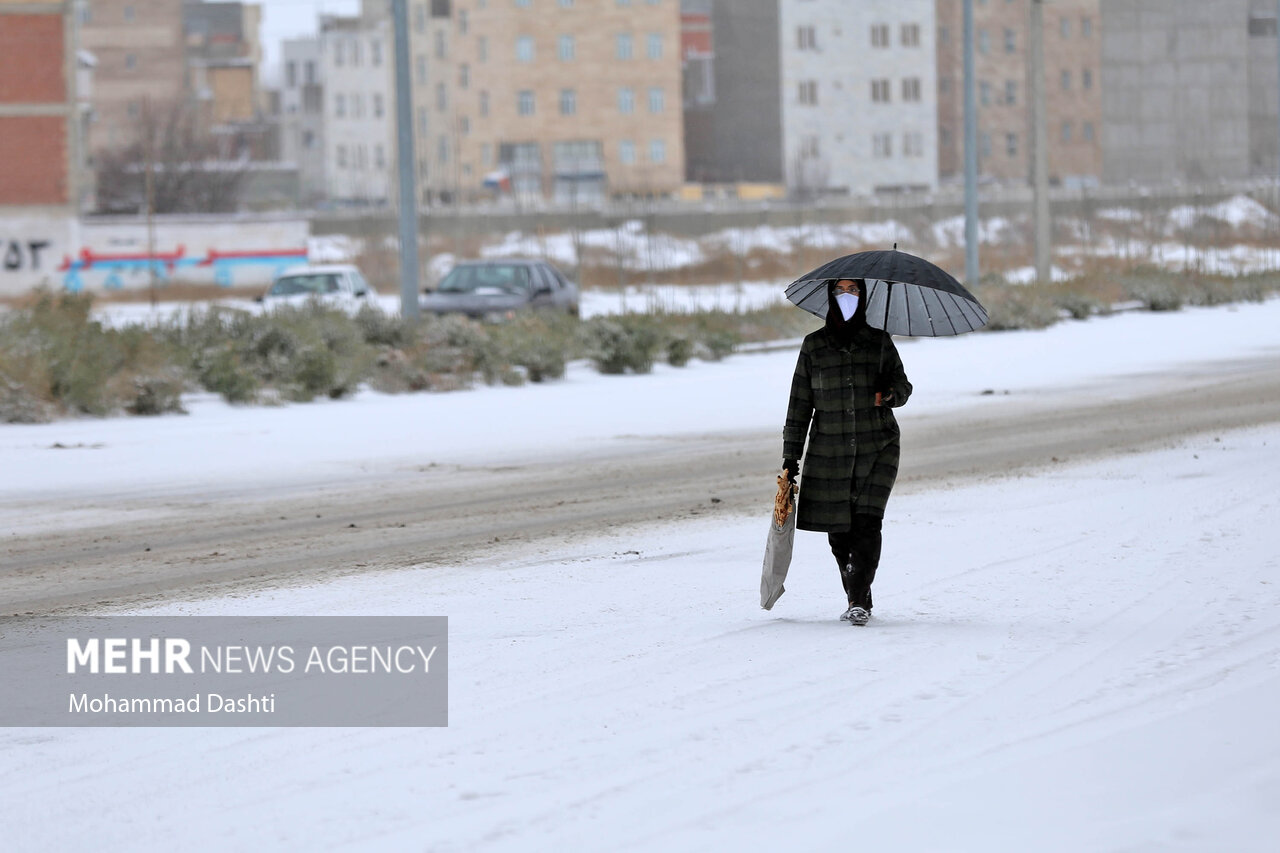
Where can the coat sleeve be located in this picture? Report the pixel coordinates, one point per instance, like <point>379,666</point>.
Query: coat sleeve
<point>799,410</point>
<point>893,377</point>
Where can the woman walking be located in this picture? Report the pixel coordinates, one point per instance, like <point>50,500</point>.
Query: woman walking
<point>848,379</point>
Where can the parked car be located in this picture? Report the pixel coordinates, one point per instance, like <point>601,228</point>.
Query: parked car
<point>496,289</point>
<point>338,285</point>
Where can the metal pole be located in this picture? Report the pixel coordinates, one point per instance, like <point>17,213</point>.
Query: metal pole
<point>970,154</point>
<point>405,162</point>
<point>1040,145</point>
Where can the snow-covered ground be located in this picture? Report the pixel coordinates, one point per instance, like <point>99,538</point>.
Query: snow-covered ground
<point>1082,658</point>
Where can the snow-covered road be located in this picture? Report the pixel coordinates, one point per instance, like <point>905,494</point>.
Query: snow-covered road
<point>1083,656</point>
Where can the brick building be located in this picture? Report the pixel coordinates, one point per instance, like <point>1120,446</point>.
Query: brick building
<point>38,106</point>
<point>572,100</point>
<point>1073,45</point>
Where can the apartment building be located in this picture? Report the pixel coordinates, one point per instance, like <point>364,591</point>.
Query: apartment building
<point>859,113</point>
<point>1073,89</point>
<point>1190,90</point>
<point>358,69</point>
<point>139,50</point>
<point>572,100</point>
<point>302,106</point>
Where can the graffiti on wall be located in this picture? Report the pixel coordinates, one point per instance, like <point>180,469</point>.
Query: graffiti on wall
<point>18,255</point>
<point>167,266</point>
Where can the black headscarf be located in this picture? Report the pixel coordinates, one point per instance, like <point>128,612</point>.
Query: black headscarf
<point>837,326</point>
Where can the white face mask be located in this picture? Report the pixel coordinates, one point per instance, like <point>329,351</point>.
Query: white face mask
<point>848,303</point>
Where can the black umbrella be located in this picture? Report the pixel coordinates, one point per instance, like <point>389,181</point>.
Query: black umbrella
<point>906,295</point>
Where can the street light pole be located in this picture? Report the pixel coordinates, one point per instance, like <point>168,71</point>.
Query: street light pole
<point>405,162</point>
<point>970,154</point>
<point>1040,146</point>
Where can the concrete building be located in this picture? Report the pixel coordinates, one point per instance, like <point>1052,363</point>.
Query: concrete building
<point>822,95</point>
<point>139,49</point>
<point>301,110</point>
<point>1189,90</point>
<point>1073,88</point>
<point>572,100</point>
<point>358,69</point>
<point>859,113</point>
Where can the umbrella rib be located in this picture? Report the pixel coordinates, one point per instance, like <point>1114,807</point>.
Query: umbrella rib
<point>966,311</point>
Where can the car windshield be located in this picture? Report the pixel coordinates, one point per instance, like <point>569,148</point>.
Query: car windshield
<point>292,285</point>
<point>487,278</point>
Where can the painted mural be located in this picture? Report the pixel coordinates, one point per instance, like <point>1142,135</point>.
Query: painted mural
<point>117,270</point>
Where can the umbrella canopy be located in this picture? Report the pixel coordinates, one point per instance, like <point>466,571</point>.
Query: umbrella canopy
<point>906,295</point>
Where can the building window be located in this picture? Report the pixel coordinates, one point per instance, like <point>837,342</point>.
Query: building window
<point>1011,144</point>
<point>339,106</point>
<point>984,93</point>
<point>132,109</point>
<point>910,35</point>
<point>984,145</point>
<point>913,144</point>
<point>357,106</point>
<point>657,151</point>
<point>342,156</point>
<point>1010,41</point>
<point>1066,131</point>
<point>565,48</point>
<point>420,68</point>
<point>879,35</point>
<point>1086,78</point>
<point>566,4</point>
<point>379,156</point>
<point>420,17</point>
<point>806,39</point>
<point>441,46</point>
<point>464,76</point>
<point>524,49</point>
<point>442,97</point>
<point>339,54</point>
<point>1086,26</point>
<point>626,100</point>
<point>128,14</point>
<point>422,121</point>
<point>524,4</point>
<point>355,53</point>
<point>880,91</point>
<point>568,102</point>
<point>1086,131</point>
<point>809,148</point>
<point>984,41</point>
<point>309,72</point>
<point>442,149</point>
<point>482,49</point>
<point>623,46</point>
<point>911,89</point>
<point>627,152</point>
<point>524,102</point>
<point>375,53</point>
<point>130,61</point>
<point>1064,25</point>
<point>291,74</point>
<point>944,36</point>
<point>484,103</point>
<point>653,46</point>
<point>464,23</point>
<point>808,92</point>
<point>1066,81</point>
<point>1010,92</point>
<point>655,100</point>
<point>882,145</point>
<point>377,105</point>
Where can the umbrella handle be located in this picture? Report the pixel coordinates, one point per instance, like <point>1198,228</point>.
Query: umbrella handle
<point>888,292</point>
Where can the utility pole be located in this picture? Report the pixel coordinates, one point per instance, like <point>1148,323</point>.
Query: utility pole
<point>970,154</point>
<point>149,128</point>
<point>405,160</point>
<point>1039,146</point>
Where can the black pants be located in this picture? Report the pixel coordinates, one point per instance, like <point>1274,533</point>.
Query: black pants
<point>857,553</point>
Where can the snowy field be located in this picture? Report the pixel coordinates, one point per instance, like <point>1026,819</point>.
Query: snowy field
<point>1086,657</point>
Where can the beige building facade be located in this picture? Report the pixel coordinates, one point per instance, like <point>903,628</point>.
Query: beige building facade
<point>1073,87</point>
<point>569,100</point>
<point>138,46</point>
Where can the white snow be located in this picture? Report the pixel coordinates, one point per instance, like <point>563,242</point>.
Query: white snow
<point>1082,658</point>
<point>1237,211</point>
<point>950,232</point>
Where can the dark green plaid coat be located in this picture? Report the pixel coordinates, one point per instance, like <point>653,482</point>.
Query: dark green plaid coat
<point>853,444</point>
